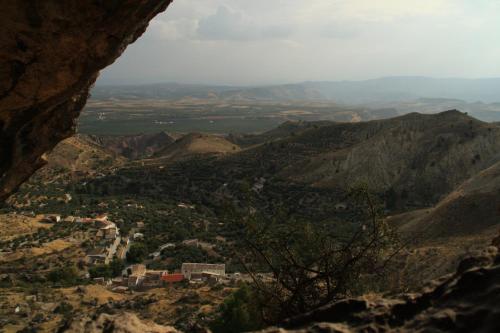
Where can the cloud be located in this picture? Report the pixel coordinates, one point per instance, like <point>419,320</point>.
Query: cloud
<point>271,41</point>
<point>236,20</point>
<point>226,24</point>
<point>177,29</point>
<point>335,30</point>
<point>379,10</point>
<point>277,32</point>
<point>229,24</point>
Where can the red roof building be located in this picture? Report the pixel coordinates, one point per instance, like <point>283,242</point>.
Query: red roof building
<point>172,278</point>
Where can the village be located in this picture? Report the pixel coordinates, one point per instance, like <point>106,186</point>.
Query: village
<point>108,244</point>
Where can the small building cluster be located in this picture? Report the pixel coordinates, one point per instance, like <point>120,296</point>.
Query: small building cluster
<point>106,238</point>
<point>138,277</point>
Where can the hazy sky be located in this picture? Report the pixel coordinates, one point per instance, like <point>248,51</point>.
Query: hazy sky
<point>246,42</point>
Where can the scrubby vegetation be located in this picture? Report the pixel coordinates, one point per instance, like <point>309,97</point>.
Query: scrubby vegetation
<point>65,276</point>
<point>114,269</point>
<point>240,312</point>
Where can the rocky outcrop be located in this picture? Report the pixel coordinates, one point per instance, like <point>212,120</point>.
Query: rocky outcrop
<point>122,323</point>
<point>467,301</point>
<point>51,53</point>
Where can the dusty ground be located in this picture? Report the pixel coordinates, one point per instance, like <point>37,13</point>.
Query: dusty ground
<point>15,225</point>
<point>52,247</point>
<point>40,308</point>
<point>429,259</point>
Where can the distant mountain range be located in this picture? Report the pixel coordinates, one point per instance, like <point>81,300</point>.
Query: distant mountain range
<point>347,92</point>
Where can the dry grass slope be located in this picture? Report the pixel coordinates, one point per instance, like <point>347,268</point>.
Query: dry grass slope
<point>198,144</point>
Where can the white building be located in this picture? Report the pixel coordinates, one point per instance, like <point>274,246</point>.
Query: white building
<point>138,236</point>
<point>53,218</point>
<point>188,269</point>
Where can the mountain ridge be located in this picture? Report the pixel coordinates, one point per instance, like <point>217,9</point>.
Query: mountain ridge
<point>135,146</point>
<point>397,88</point>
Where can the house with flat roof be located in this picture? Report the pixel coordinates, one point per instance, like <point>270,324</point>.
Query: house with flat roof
<point>97,255</point>
<point>172,278</point>
<point>197,269</point>
<point>138,236</point>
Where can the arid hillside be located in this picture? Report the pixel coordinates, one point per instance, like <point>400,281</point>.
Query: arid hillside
<point>465,301</point>
<point>197,144</point>
<point>77,157</point>
<point>283,131</point>
<point>472,208</point>
<point>414,159</point>
<point>135,146</point>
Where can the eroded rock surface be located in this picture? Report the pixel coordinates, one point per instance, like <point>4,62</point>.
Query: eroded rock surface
<point>467,301</point>
<point>51,52</point>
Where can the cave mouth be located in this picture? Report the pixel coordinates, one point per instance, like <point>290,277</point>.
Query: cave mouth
<point>51,55</point>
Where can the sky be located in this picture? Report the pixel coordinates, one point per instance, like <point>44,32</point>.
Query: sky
<point>260,42</point>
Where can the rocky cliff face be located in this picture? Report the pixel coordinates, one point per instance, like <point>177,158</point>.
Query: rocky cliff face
<point>51,53</point>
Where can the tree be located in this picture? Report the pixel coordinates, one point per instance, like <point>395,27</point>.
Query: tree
<point>391,198</point>
<point>312,264</point>
<point>116,267</point>
<point>107,271</point>
<point>137,253</point>
<point>65,276</point>
<point>240,312</point>
<point>65,309</point>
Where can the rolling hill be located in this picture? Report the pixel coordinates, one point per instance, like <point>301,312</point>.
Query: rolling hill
<point>421,157</point>
<point>194,144</point>
<point>76,157</point>
<point>438,238</point>
<point>135,146</point>
<point>283,131</point>
<point>472,208</point>
<point>410,162</point>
